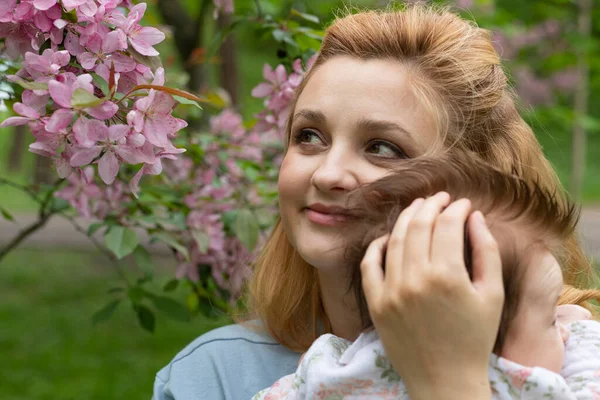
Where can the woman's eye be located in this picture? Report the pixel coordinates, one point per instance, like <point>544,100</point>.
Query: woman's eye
<point>386,150</point>
<point>306,136</point>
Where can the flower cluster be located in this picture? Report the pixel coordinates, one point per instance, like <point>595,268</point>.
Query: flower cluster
<point>278,91</point>
<point>79,72</point>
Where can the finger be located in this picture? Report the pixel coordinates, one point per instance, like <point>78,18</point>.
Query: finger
<point>487,265</point>
<point>447,244</point>
<point>371,268</point>
<point>420,231</point>
<point>395,248</point>
<point>568,313</point>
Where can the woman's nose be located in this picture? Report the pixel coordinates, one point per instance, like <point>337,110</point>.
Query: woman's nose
<point>335,173</point>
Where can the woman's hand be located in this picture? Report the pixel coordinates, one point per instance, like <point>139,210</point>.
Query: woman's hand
<point>438,328</point>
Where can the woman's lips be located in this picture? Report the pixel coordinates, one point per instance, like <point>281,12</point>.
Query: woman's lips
<point>325,218</point>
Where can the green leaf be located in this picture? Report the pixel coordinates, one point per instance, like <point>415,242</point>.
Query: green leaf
<point>31,85</point>
<point>59,205</point>
<point>121,241</point>
<point>7,216</point>
<point>83,99</point>
<point>136,294</point>
<point>93,228</point>
<point>105,312</point>
<point>101,83</point>
<point>172,242</point>
<point>278,35</point>
<point>145,317</point>
<point>116,290</point>
<point>171,285</point>
<point>202,240</point>
<point>246,228</point>
<point>183,100</point>
<point>153,62</point>
<point>192,302</point>
<point>143,259</point>
<point>305,16</point>
<point>170,308</point>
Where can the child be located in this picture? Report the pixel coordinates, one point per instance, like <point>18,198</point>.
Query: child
<point>529,225</point>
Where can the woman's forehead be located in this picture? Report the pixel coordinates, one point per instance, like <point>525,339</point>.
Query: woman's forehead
<point>347,92</point>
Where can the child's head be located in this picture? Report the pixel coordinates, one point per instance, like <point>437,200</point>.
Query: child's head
<point>529,223</point>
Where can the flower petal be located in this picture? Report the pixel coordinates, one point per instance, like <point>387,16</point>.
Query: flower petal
<point>84,156</point>
<point>104,111</point>
<point>63,169</point>
<point>60,120</point>
<point>87,60</point>
<point>108,167</point>
<point>60,93</point>
<point>88,132</point>
<point>14,121</point>
<point>25,111</point>
<point>262,90</point>
<point>43,5</point>
<point>150,35</point>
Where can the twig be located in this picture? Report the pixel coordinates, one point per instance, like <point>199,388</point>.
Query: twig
<point>99,246</point>
<point>259,9</point>
<point>24,234</point>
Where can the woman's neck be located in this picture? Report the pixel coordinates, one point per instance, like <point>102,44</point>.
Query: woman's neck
<point>339,305</point>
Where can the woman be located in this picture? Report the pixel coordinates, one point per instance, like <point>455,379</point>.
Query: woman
<point>386,86</point>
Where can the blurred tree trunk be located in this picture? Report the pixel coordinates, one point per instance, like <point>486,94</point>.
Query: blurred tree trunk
<point>17,148</point>
<point>188,36</point>
<point>578,155</point>
<point>44,170</point>
<point>228,74</point>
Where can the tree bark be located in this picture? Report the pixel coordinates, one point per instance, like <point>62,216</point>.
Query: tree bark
<point>44,170</point>
<point>17,148</point>
<point>228,74</point>
<point>188,36</point>
<point>578,159</point>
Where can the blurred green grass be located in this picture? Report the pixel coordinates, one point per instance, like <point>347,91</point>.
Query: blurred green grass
<point>49,348</point>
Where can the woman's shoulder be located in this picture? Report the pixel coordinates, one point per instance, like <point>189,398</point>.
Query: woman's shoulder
<point>230,362</point>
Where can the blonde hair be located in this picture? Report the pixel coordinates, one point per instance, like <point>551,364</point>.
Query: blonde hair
<point>456,74</point>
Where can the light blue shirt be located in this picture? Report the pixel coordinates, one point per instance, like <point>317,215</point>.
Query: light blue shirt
<point>231,363</point>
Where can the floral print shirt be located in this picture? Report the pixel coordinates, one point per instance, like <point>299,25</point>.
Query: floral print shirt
<point>336,369</point>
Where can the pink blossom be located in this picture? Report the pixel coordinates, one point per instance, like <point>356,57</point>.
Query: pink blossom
<point>223,7</point>
<point>81,191</point>
<point>153,167</point>
<point>49,63</point>
<point>141,38</point>
<point>85,7</point>
<point>62,94</point>
<point>152,117</point>
<point>94,137</point>
<point>27,113</point>
<point>104,50</point>
<point>6,9</point>
<point>21,37</point>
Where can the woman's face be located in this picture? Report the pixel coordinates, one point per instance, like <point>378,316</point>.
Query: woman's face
<point>353,122</point>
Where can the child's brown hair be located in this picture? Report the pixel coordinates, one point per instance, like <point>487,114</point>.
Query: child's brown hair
<point>505,199</point>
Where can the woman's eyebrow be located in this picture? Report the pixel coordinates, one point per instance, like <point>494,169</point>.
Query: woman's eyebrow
<point>366,124</point>
<point>311,115</point>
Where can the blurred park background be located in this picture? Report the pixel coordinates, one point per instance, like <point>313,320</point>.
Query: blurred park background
<point>48,345</point>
